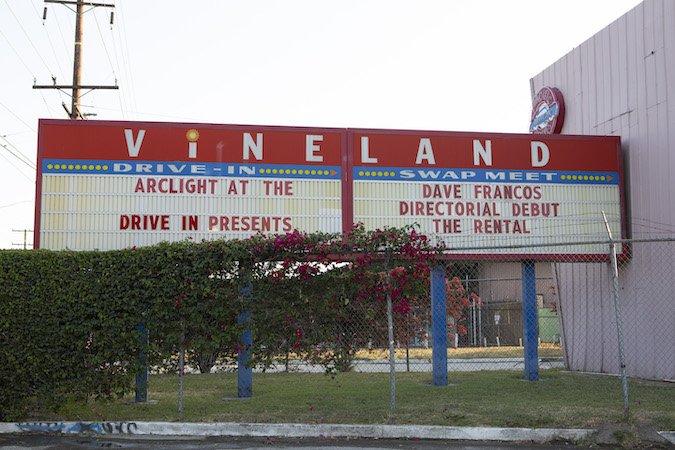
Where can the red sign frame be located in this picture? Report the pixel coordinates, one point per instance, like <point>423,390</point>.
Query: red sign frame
<point>174,146</point>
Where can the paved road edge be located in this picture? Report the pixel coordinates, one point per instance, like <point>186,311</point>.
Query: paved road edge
<point>309,431</point>
<point>300,430</point>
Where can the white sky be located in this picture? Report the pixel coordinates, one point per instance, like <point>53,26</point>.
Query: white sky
<point>454,65</point>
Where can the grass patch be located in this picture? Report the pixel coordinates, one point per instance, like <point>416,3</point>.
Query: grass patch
<point>503,399</point>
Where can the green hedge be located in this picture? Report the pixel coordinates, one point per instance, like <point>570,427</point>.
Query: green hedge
<point>69,320</point>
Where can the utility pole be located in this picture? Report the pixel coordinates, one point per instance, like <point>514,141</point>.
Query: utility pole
<point>74,112</point>
<point>25,237</point>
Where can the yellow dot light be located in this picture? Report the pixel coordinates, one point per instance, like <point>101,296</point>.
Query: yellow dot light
<point>192,135</point>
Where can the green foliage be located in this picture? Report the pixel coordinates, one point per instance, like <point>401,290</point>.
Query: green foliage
<point>69,321</point>
<point>66,328</point>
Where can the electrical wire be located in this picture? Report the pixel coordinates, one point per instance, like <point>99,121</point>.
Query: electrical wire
<point>51,43</point>
<point>28,37</point>
<point>63,39</point>
<point>126,59</point>
<point>18,55</point>
<point>19,118</point>
<point>105,47</point>
<point>122,93</point>
<point>15,203</point>
<point>112,66</point>
<point>16,167</point>
<point>18,155</point>
<point>183,118</point>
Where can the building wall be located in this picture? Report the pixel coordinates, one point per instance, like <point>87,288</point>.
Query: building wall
<point>622,82</point>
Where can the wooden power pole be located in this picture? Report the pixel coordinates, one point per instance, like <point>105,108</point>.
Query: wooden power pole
<point>76,87</point>
<point>25,237</point>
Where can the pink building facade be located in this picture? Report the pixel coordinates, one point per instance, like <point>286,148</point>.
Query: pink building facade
<point>622,82</point>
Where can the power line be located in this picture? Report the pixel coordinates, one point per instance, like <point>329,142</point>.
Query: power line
<point>18,118</point>
<point>105,47</point>
<point>25,238</point>
<point>76,87</point>
<point>15,203</point>
<point>18,169</point>
<point>122,95</point>
<point>187,119</point>
<point>18,55</point>
<point>21,157</point>
<point>28,37</point>
<point>63,39</point>
<point>121,32</point>
<point>51,44</point>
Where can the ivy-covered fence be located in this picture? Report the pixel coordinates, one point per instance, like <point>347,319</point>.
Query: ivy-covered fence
<point>69,320</point>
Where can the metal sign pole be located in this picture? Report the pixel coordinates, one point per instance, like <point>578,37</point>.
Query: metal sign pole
<point>530,325</point>
<point>439,327</point>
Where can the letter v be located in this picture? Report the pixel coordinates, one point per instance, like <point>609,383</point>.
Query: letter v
<point>134,147</point>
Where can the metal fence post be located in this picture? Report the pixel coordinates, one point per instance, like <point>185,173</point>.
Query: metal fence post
<point>439,327</point>
<point>530,325</point>
<point>142,374</point>
<point>617,313</point>
<point>392,354</point>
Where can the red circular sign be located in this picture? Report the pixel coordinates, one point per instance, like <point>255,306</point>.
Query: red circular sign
<point>548,112</point>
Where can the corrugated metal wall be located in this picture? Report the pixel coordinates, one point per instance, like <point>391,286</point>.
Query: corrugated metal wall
<point>622,82</point>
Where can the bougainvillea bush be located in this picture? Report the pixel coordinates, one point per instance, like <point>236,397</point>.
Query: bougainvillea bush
<point>70,321</point>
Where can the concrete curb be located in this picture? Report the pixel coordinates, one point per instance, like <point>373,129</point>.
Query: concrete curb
<point>301,430</point>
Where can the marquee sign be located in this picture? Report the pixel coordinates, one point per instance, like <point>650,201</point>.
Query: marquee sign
<point>473,189</point>
<point>107,185</point>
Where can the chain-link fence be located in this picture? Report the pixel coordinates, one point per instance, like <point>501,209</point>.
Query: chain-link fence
<point>607,307</point>
<point>576,317</point>
<point>574,308</point>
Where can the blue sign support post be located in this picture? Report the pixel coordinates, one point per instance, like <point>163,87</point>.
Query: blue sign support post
<point>530,325</point>
<point>244,372</point>
<point>439,327</point>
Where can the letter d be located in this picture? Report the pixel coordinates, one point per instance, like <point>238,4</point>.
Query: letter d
<point>540,154</point>
<point>124,222</point>
<point>121,167</point>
